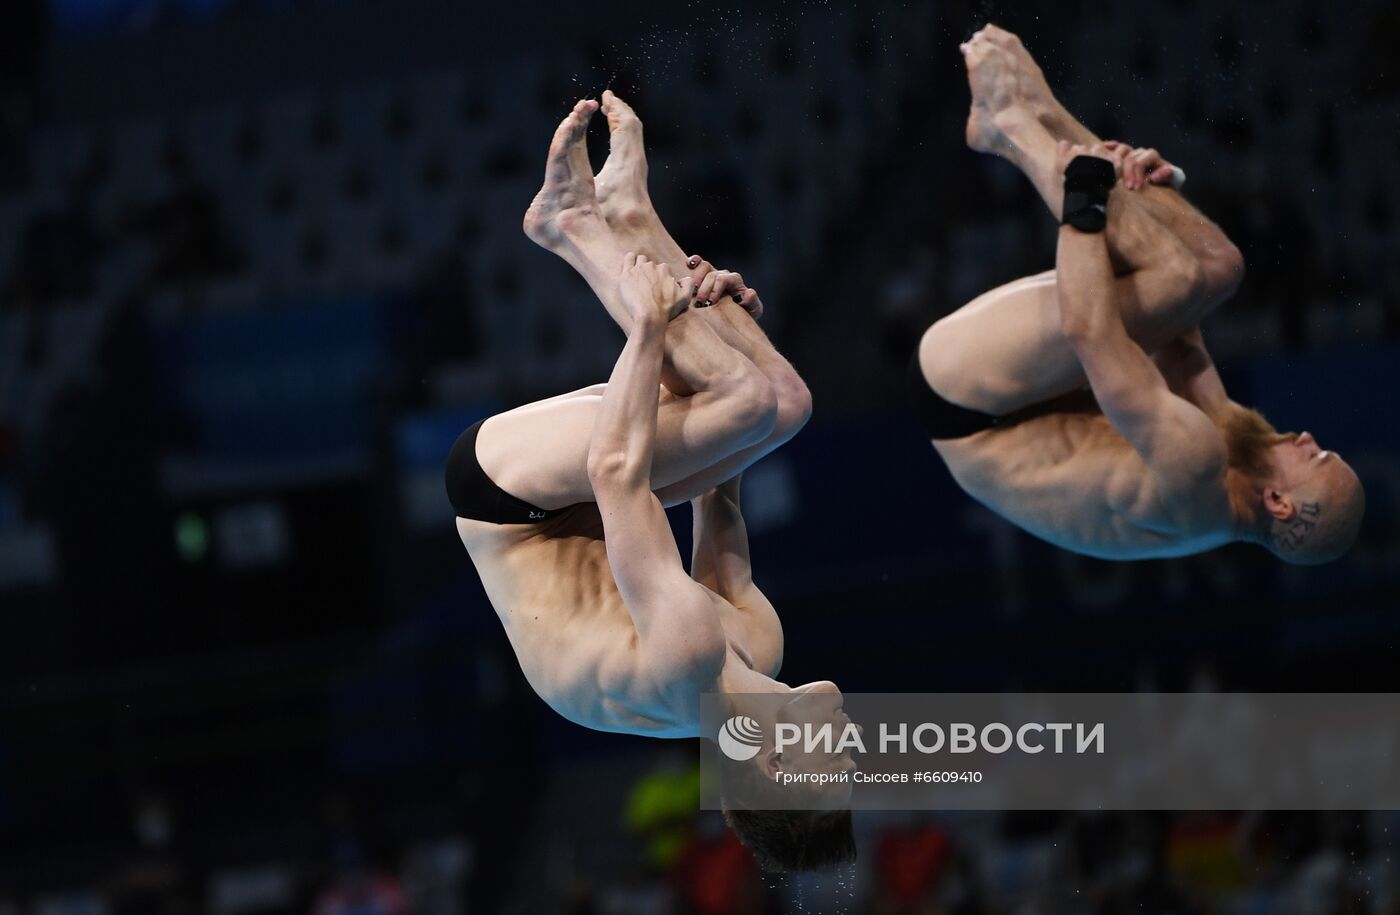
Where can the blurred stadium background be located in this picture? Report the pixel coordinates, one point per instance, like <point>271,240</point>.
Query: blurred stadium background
<point>260,262</point>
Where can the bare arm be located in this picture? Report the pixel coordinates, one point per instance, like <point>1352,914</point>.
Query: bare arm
<point>720,553</point>
<point>1191,373</point>
<point>720,558</point>
<point>720,562</point>
<point>679,632</point>
<point>1178,442</point>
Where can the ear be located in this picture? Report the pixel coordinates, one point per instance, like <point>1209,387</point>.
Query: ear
<point>1278,503</point>
<point>771,763</point>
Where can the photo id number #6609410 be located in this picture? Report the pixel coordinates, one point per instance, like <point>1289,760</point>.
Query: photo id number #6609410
<point>970,777</point>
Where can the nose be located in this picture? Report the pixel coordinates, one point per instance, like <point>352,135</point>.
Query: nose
<point>1306,439</point>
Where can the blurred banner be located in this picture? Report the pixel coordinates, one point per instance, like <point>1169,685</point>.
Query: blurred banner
<point>421,443</point>
<point>274,396</point>
<point>92,15</point>
<point>1079,751</point>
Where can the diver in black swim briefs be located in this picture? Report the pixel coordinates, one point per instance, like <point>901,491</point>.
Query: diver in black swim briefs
<point>1161,462</point>
<point>607,625</point>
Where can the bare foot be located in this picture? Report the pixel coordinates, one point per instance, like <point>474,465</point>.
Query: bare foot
<point>625,172</point>
<point>567,203</point>
<point>622,181</point>
<point>1008,90</point>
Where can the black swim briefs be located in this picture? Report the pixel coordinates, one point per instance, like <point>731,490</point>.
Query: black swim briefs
<point>476,497</point>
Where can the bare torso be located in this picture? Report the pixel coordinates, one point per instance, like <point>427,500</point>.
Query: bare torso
<point>1067,476</point>
<point>554,592</point>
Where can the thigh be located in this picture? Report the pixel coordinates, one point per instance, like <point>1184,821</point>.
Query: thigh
<point>539,452</point>
<point>1003,350</point>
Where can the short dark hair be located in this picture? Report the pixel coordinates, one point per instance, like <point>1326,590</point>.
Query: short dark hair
<point>786,841</point>
<point>791,841</point>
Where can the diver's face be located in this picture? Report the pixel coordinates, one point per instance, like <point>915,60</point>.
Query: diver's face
<point>1302,464</point>
<point>815,706</point>
<point>1316,499</point>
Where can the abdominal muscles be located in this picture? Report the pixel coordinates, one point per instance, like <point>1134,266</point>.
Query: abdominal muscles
<point>571,632</point>
<point>1069,479</point>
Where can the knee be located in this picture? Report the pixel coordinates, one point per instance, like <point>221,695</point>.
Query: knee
<point>1222,271</point>
<point>939,358</point>
<point>750,405</point>
<point>1206,279</point>
<point>1186,284</point>
<point>794,403</point>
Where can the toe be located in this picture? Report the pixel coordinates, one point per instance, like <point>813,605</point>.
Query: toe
<point>620,105</point>
<point>567,161</point>
<point>577,119</point>
<point>575,123</point>
<point>620,114</point>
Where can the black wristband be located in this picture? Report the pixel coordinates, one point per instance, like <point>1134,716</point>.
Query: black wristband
<point>1088,179</point>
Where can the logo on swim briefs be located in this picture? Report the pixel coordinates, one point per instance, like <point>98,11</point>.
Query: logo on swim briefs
<point>536,513</point>
<point>740,738</point>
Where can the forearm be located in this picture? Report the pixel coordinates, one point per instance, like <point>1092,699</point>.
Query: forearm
<point>1191,374</point>
<point>624,433</point>
<point>720,559</point>
<point>1126,384</point>
<point>1084,277</point>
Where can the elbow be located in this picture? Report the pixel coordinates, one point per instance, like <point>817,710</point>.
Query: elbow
<point>610,469</point>
<point>1076,324</point>
<point>1074,328</point>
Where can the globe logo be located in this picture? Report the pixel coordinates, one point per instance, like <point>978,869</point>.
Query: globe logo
<point>740,738</point>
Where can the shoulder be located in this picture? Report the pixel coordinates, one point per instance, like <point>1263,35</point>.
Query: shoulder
<point>689,651</point>
<point>1188,476</point>
<point>1198,454</point>
<point>762,631</point>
